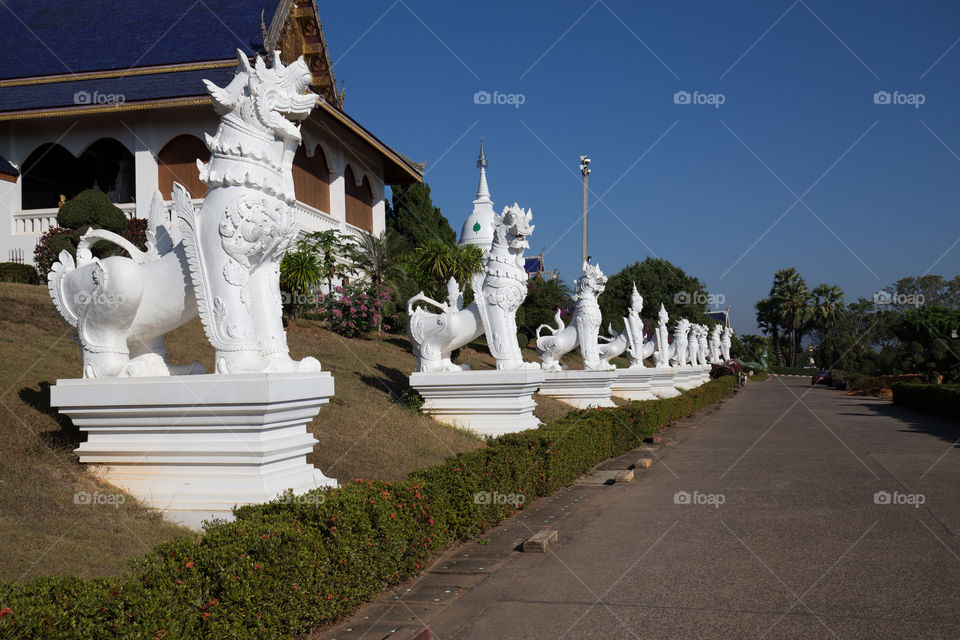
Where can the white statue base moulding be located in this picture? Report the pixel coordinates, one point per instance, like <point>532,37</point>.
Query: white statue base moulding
<point>490,402</point>
<point>195,446</point>
<point>703,375</point>
<point>634,383</point>
<point>683,378</point>
<point>579,388</point>
<point>663,382</point>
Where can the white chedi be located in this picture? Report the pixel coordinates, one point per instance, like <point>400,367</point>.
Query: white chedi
<point>584,327</point>
<point>221,262</point>
<point>500,289</point>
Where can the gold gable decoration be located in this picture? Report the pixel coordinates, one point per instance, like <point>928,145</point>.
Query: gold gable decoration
<point>296,31</point>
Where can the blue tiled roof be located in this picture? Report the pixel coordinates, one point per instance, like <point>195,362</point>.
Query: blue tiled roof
<point>67,36</point>
<point>131,88</point>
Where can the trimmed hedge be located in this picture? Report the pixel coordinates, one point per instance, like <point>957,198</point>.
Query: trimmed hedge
<point>759,376</point>
<point>940,399</point>
<point>302,561</point>
<point>16,272</point>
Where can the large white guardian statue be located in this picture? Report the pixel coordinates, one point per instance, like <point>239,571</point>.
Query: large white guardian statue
<point>499,291</point>
<point>584,327</point>
<point>226,262</point>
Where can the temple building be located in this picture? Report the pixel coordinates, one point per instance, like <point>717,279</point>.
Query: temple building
<point>110,95</point>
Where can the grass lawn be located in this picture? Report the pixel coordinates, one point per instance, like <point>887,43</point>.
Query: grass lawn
<point>364,432</point>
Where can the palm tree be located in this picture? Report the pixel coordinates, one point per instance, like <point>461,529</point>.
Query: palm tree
<point>436,261</point>
<point>795,304</point>
<point>300,274</point>
<point>373,256</point>
<point>828,310</point>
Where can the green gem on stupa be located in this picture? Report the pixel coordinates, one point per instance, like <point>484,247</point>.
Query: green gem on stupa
<point>476,226</point>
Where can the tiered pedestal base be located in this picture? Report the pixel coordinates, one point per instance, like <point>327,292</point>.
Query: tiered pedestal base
<point>663,382</point>
<point>195,446</point>
<point>488,402</point>
<point>578,388</point>
<point>634,383</point>
<point>703,374</point>
<point>683,378</point>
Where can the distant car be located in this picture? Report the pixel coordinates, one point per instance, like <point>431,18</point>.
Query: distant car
<point>821,377</point>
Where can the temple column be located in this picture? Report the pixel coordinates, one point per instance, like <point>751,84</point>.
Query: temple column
<point>146,177</point>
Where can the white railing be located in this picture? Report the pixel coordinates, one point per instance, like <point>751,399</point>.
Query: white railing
<point>35,221</point>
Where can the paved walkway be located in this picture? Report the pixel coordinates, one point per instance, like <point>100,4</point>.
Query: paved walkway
<point>802,545</point>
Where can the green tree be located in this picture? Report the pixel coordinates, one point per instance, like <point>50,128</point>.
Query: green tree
<point>374,258</point>
<point>658,281</point>
<point>435,261</point>
<point>300,274</point>
<point>413,219</point>
<point>544,298</point>
<point>333,251</point>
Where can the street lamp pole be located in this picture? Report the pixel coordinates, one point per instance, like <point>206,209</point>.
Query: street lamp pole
<point>585,172</point>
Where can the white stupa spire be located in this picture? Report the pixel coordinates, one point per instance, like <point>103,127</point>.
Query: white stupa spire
<point>483,191</point>
<point>478,228</point>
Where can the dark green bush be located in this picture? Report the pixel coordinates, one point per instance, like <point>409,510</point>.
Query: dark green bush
<point>939,399</point>
<point>91,208</point>
<point>303,561</point>
<point>15,272</point>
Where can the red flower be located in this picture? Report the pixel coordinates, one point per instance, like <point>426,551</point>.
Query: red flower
<point>296,587</point>
<point>206,614</point>
<point>189,565</point>
<point>5,611</point>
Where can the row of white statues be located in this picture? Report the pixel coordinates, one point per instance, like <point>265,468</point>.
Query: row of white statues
<point>195,445</point>
<point>502,287</point>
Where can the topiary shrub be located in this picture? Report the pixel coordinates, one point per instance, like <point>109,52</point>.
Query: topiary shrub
<point>91,208</point>
<point>16,272</point>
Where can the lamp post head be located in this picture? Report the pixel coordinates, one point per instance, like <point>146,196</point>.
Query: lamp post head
<point>584,165</point>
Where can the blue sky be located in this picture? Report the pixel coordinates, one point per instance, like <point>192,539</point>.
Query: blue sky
<point>798,167</point>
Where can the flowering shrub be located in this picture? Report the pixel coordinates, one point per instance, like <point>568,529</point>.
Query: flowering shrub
<point>354,309</point>
<point>301,562</point>
<point>729,367</point>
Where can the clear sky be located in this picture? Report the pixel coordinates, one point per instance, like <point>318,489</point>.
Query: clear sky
<point>799,166</point>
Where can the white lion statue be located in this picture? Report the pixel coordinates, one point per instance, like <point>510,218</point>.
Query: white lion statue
<point>584,328</point>
<point>221,261</point>
<point>499,289</point>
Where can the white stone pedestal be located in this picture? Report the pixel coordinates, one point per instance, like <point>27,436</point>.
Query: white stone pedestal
<point>702,375</point>
<point>683,378</point>
<point>634,383</point>
<point>490,402</point>
<point>663,382</point>
<point>579,388</point>
<point>195,446</point>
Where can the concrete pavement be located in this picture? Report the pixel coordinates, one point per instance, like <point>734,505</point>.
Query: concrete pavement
<point>788,512</point>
